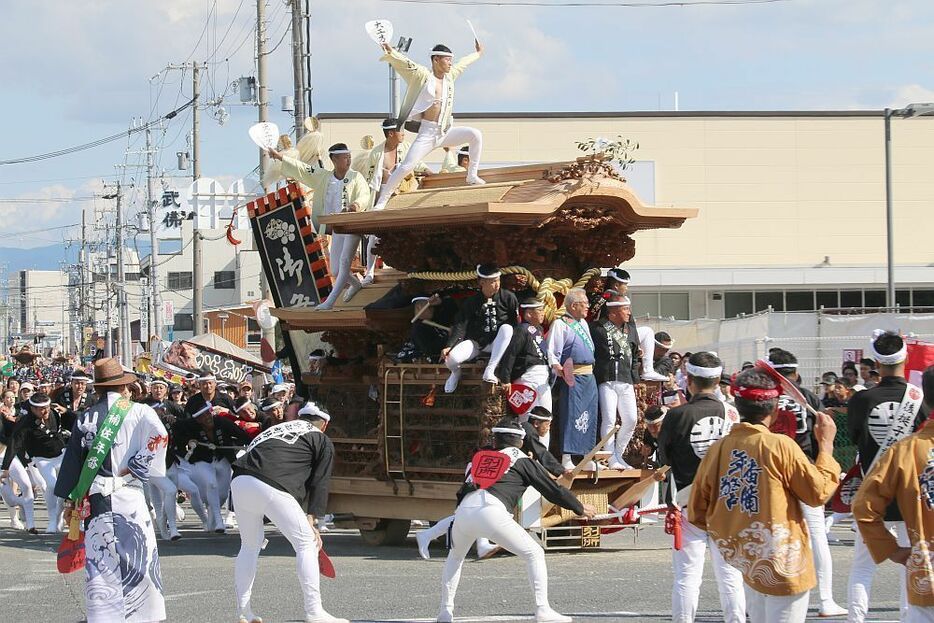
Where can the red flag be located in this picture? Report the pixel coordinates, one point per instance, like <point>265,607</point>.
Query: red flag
<point>843,496</point>
<point>788,387</point>
<point>920,356</point>
<point>521,398</point>
<point>71,554</point>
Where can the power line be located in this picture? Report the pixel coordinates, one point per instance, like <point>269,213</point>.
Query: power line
<point>96,143</point>
<point>583,3</point>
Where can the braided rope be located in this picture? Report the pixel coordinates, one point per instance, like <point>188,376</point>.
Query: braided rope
<point>545,289</point>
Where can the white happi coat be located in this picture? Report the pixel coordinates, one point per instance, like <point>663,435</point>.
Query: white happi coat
<point>122,562</point>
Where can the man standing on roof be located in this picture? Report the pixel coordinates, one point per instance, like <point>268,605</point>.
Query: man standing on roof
<point>377,167</point>
<point>429,100</point>
<point>456,163</point>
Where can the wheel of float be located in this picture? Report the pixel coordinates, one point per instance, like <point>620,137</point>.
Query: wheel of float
<point>387,532</point>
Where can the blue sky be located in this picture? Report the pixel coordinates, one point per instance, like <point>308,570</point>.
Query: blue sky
<point>77,71</point>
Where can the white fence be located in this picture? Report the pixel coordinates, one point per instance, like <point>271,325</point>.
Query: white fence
<point>817,339</point>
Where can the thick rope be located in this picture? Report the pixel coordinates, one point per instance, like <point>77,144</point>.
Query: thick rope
<point>545,290</point>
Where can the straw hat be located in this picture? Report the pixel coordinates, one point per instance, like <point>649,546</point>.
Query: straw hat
<point>109,373</point>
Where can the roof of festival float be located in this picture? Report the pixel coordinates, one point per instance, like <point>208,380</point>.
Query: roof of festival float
<point>555,219</point>
<point>522,195</point>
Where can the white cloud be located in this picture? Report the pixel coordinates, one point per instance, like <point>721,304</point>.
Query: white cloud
<point>911,94</point>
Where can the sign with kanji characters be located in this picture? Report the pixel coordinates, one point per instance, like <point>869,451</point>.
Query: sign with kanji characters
<point>521,398</point>
<point>292,257</point>
<point>852,354</point>
<point>488,466</point>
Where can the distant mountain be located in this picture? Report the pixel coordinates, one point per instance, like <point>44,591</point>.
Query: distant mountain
<point>47,258</point>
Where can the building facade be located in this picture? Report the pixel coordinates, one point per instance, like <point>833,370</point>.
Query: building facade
<point>792,204</point>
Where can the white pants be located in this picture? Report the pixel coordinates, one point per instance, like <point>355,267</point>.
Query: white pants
<point>341,252</point>
<point>647,344</point>
<point>617,401</point>
<point>776,609</point>
<point>181,475</point>
<point>536,377</point>
<point>431,137</point>
<point>823,563</point>
<point>689,570</point>
<point>48,469</point>
<point>441,528</point>
<point>481,514</point>
<point>919,614</point>
<point>254,498</point>
<point>468,350</point>
<point>164,495</point>
<point>213,480</point>
<point>863,570</point>
<point>26,497</point>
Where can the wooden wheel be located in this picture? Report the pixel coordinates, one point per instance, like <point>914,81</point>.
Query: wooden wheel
<point>386,532</point>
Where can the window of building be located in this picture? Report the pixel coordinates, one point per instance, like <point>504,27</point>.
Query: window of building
<point>799,301</point>
<point>736,303</point>
<point>225,279</point>
<point>184,322</point>
<point>851,298</point>
<point>179,281</point>
<point>923,298</point>
<point>828,298</point>
<point>874,298</point>
<point>645,304</point>
<point>253,332</point>
<point>131,276</point>
<point>675,305</point>
<point>903,298</point>
<point>765,300</point>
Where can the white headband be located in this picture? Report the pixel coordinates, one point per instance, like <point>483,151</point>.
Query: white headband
<point>272,405</point>
<point>619,279</point>
<point>312,409</point>
<point>441,53</point>
<point>206,407</point>
<point>704,373</point>
<point>887,360</point>
<point>492,276</point>
<point>535,305</point>
<point>390,126</point>
<point>657,343</point>
<point>624,302</point>
<point>783,366</point>
<point>502,430</point>
<point>158,382</point>
<point>44,403</point>
<point>464,151</point>
<point>544,418</point>
<point>206,377</point>
<point>416,299</point>
<point>240,408</point>
<point>338,152</point>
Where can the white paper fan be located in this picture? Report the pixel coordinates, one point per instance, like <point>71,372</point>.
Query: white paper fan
<point>265,134</point>
<point>380,31</point>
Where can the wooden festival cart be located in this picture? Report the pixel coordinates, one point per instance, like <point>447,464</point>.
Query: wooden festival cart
<point>402,444</point>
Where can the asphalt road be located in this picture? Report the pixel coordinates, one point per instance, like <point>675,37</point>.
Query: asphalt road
<point>625,581</point>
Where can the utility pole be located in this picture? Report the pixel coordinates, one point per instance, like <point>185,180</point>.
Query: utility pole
<point>108,345</point>
<point>261,102</point>
<point>123,315</point>
<point>155,289</point>
<point>197,277</point>
<point>298,70</point>
<point>82,314</point>
<point>309,109</point>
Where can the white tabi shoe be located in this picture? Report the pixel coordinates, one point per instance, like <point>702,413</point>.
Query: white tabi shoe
<point>831,609</point>
<point>323,306</point>
<point>546,614</point>
<point>654,376</point>
<point>445,616</point>
<point>591,466</point>
<point>489,376</point>
<point>15,522</point>
<point>485,549</point>
<point>231,521</point>
<point>324,617</point>
<point>367,279</point>
<point>423,543</point>
<point>620,465</point>
<point>474,180</point>
<point>179,512</point>
<point>566,462</point>
<point>352,288</point>
<point>249,618</point>
<point>451,384</point>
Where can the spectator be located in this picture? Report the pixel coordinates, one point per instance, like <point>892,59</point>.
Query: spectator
<point>866,366</point>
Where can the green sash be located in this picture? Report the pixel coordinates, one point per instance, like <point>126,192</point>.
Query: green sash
<point>100,448</point>
<point>575,325</point>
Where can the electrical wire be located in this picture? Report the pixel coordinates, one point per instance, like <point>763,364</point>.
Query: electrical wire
<point>630,5</point>
<point>101,141</point>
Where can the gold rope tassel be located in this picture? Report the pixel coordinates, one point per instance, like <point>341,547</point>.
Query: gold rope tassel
<point>545,290</point>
